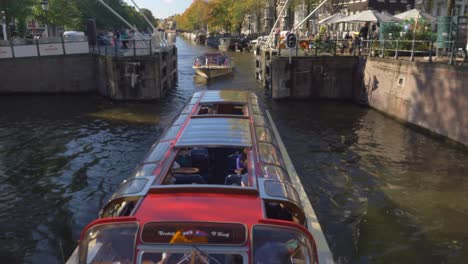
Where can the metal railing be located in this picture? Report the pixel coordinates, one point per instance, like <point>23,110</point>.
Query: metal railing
<point>20,48</point>
<point>129,48</point>
<point>430,51</point>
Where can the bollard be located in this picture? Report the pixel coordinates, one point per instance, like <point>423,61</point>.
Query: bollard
<point>452,53</point>
<point>382,50</point>
<point>38,50</point>
<point>134,48</point>
<point>430,52</point>
<point>396,49</point>
<point>12,48</point>
<point>412,50</point>
<point>334,47</point>
<point>63,45</point>
<point>150,48</point>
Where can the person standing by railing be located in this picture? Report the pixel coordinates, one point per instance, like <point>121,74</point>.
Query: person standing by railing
<point>124,38</point>
<point>117,39</point>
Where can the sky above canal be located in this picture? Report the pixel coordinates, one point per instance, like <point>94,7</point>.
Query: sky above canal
<point>163,8</point>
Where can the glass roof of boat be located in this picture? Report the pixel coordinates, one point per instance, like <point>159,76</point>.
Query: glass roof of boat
<point>225,96</point>
<point>216,132</point>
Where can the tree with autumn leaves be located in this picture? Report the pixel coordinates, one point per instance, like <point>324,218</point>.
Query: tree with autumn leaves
<point>218,15</point>
<point>228,15</point>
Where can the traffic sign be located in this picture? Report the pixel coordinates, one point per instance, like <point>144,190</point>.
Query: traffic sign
<point>291,41</point>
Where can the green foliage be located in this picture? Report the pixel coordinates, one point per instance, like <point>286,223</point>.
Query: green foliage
<point>390,30</point>
<point>21,27</point>
<point>405,32</point>
<point>73,14</point>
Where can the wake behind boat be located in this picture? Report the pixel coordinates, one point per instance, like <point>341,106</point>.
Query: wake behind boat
<point>213,65</point>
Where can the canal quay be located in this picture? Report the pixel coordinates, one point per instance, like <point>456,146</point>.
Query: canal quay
<point>384,192</point>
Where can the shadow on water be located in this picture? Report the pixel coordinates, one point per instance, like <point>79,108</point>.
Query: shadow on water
<point>383,192</point>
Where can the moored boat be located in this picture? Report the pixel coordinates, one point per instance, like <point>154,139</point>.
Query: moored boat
<point>215,188</point>
<point>229,44</point>
<point>213,65</point>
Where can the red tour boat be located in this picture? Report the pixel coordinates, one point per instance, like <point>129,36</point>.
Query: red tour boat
<point>216,188</point>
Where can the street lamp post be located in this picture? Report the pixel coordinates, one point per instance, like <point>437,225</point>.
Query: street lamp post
<point>4,26</point>
<point>45,7</point>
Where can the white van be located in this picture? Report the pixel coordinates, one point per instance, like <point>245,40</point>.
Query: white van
<point>69,36</point>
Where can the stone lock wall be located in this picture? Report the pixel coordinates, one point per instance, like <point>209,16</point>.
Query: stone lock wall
<point>432,96</point>
<point>138,78</point>
<point>119,78</point>
<point>313,77</point>
<point>51,74</point>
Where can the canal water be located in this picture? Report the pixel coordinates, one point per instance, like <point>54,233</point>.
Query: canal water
<point>383,192</point>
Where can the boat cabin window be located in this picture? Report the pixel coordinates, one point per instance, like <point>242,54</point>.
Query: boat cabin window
<point>203,165</point>
<point>276,245</point>
<point>223,109</point>
<point>119,207</point>
<point>157,152</point>
<point>269,154</point>
<point>109,243</point>
<point>285,211</point>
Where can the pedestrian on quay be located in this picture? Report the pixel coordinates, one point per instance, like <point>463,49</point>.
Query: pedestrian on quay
<point>124,38</point>
<point>117,39</point>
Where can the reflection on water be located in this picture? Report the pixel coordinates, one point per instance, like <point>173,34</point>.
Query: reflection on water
<point>383,192</point>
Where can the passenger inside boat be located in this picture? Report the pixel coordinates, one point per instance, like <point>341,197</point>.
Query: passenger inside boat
<point>223,109</point>
<point>209,109</point>
<point>202,165</point>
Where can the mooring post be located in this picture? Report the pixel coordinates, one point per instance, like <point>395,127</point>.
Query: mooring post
<point>452,51</point>
<point>150,48</point>
<point>412,50</point>
<point>396,48</point>
<point>383,49</point>
<point>38,50</point>
<point>335,45</point>
<point>430,51</point>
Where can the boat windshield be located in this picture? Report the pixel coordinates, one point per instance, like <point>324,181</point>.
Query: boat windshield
<point>110,243</point>
<point>193,255</point>
<point>277,245</point>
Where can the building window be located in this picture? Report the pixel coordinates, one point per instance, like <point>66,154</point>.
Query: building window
<point>458,10</point>
<point>392,1</point>
<point>404,1</point>
<point>440,9</point>
<point>382,1</point>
